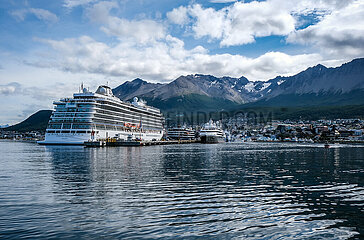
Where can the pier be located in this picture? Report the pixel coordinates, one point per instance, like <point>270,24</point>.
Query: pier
<point>115,143</point>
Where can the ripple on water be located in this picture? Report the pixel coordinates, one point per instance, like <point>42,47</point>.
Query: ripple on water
<point>242,191</point>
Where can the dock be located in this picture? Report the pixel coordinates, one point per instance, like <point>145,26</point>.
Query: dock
<point>116,143</point>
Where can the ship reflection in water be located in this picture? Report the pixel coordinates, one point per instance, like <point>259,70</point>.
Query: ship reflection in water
<point>244,191</point>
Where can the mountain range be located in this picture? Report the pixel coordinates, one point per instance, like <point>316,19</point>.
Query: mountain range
<point>315,86</point>
<point>317,92</point>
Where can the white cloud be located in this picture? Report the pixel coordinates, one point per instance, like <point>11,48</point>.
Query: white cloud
<point>143,31</point>
<point>209,22</point>
<point>246,21</point>
<point>45,92</point>
<point>143,48</point>
<point>75,3</point>
<point>340,33</point>
<point>99,12</point>
<point>222,1</point>
<point>165,60</point>
<point>41,14</point>
<point>241,23</point>
<point>178,15</point>
<point>10,88</point>
<point>19,14</point>
<point>44,14</point>
<point>237,24</point>
<point>310,6</point>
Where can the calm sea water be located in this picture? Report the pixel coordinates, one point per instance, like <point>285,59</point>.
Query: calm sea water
<point>224,191</point>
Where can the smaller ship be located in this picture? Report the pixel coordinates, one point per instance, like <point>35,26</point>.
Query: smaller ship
<point>212,133</point>
<point>181,133</point>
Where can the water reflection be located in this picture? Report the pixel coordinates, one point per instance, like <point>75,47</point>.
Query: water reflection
<point>215,191</point>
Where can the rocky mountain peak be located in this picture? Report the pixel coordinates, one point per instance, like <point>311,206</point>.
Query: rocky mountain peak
<point>139,81</point>
<point>316,79</point>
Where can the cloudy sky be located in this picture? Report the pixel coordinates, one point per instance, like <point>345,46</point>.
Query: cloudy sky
<point>48,48</point>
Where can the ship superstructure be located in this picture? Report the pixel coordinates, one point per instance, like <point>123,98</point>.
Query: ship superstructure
<point>100,115</point>
<point>212,133</point>
<point>181,133</point>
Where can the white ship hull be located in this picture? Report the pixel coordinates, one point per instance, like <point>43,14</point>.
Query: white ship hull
<point>211,133</point>
<point>80,138</point>
<point>65,138</point>
<point>96,116</point>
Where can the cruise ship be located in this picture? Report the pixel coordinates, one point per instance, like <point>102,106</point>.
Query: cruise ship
<point>90,116</point>
<point>212,133</point>
<point>181,133</point>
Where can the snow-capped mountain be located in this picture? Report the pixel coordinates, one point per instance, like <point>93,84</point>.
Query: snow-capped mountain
<point>315,87</point>
<point>320,79</point>
<point>238,90</point>
<point>314,82</point>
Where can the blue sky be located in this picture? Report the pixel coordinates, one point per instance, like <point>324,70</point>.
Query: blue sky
<point>47,48</point>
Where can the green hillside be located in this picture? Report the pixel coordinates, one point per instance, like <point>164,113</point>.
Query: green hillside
<point>192,103</point>
<point>190,108</point>
<point>36,122</point>
<point>355,97</point>
<point>305,113</point>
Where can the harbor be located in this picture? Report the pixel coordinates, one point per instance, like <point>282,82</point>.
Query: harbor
<point>116,143</point>
<point>218,119</point>
<point>100,189</point>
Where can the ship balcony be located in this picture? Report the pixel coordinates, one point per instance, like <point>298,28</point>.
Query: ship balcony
<point>84,95</point>
<point>72,115</point>
<point>70,120</point>
<point>77,109</point>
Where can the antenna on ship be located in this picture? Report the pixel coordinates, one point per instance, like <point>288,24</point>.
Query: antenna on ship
<point>80,88</point>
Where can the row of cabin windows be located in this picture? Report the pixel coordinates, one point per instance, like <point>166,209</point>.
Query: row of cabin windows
<point>54,123</point>
<point>74,110</point>
<point>98,126</point>
<point>68,126</point>
<point>132,111</point>
<point>70,120</point>
<point>122,119</point>
<point>86,108</point>
<point>131,116</point>
<point>56,114</point>
<point>144,125</point>
<point>69,131</point>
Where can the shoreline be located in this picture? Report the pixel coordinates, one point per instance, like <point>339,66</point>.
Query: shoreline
<point>344,142</point>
